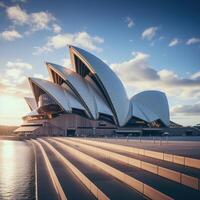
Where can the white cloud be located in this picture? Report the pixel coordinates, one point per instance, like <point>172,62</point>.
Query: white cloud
<point>20,1</point>
<point>193,41</point>
<point>40,20</point>
<point>196,76</point>
<point>167,75</point>
<point>81,39</point>
<point>149,33</point>
<point>36,21</point>
<point>18,64</point>
<point>40,50</point>
<point>66,62</point>
<point>135,69</point>
<point>138,75</point>
<point>56,28</point>
<point>14,73</point>
<point>13,80</point>
<point>174,42</point>
<point>17,15</point>
<point>10,35</point>
<point>130,22</point>
<point>16,69</point>
<point>41,76</point>
<point>193,109</point>
<point>60,40</point>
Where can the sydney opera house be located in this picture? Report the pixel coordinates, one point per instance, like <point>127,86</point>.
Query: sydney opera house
<point>89,99</point>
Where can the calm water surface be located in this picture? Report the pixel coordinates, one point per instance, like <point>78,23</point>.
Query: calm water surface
<point>16,170</point>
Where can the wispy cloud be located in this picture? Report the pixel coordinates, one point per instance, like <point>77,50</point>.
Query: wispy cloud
<point>195,76</point>
<point>41,76</point>
<point>81,39</point>
<point>56,28</point>
<point>174,42</point>
<point>10,35</point>
<point>13,80</point>
<point>18,64</point>
<point>130,22</point>
<point>42,20</point>
<point>66,62</point>
<point>19,1</point>
<point>149,33</point>
<point>193,41</point>
<point>17,15</point>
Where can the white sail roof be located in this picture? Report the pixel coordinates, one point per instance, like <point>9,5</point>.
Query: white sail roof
<point>62,96</point>
<point>151,106</point>
<point>90,85</point>
<point>31,103</point>
<point>85,92</point>
<point>109,83</point>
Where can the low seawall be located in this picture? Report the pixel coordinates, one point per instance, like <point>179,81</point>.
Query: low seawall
<point>9,137</point>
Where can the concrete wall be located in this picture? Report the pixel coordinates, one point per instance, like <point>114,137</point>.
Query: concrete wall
<point>82,125</point>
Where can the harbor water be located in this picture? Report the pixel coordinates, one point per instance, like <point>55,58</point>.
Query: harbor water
<point>16,170</point>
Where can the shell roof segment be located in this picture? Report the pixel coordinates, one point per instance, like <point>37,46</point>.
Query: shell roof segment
<point>63,96</point>
<point>151,106</point>
<point>31,103</point>
<point>82,87</point>
<point>110,85</point>
<point>93,87</point>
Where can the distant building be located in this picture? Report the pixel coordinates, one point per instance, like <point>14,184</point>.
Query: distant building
<point>89,98</point>
<point>174,125</point>
<point>197,126</point>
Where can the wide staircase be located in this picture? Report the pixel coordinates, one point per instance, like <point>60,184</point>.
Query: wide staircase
<point>82,168</point>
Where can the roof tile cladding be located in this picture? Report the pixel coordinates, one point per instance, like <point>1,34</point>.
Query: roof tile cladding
<point>99,90</point>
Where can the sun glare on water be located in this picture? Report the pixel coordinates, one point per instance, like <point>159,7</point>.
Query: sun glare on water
<point>16,170</point>
<point>7,168</point>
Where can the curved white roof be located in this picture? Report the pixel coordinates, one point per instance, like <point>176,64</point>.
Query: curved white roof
<point>32,113</point>
<point>108,81</point>
<point>31,102</point>
<point>87,94</point>
<point>101,104</point>
<point>62,96</point>
<point>143,112</point>
<point>93,87</point>
<point>151,106</point>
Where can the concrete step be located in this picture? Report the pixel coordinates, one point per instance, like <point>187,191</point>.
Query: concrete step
<point>182,148</point>
<point>113,188</point>
<point>70,183</point>
<point>127,147</point>
<point>179,173</point>
<point>47,184</point>
<point>145,189</point>
<point>168,187</point>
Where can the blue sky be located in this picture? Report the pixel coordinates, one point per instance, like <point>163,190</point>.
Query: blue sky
<point>149,44</point>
